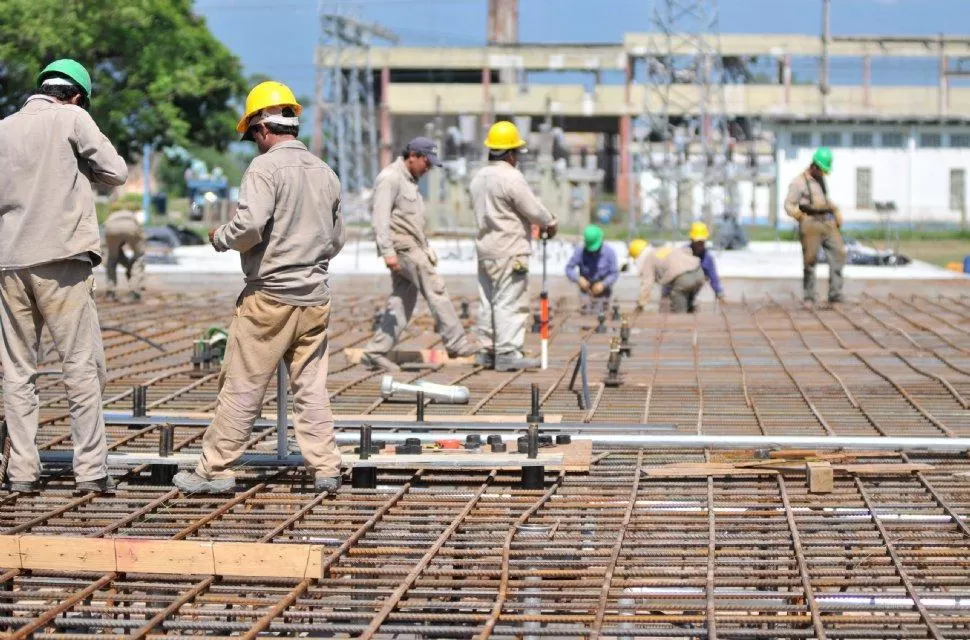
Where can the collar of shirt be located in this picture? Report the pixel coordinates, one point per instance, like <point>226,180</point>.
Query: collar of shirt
<point>288,144</point>
<point>39,97</point>
<point>403,168</point>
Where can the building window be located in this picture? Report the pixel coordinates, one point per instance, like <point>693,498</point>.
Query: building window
<point>861,139</point>
<point>960,140</point>
<point>892,140</point>
<point>958,189</point>
<point>801,139</point>
<point>832,139</point>
<point>930,140</point>
<point>863,188</point>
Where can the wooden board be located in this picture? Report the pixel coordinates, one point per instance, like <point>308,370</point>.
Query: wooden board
<point>261,560</point>
<point>51,552</point>
<point>403,356</point>
<point>165,556</point>
<point>820,477</point>
<point>10,552</point>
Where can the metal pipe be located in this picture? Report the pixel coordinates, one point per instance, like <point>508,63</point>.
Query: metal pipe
<point>282,385</point>
<point>443,393</point>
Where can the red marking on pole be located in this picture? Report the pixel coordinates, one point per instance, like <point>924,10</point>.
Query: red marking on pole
<point>544,317</point>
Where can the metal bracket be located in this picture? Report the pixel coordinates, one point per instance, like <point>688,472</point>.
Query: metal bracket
<point>580,368</point>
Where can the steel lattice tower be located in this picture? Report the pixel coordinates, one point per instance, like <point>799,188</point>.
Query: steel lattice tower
<point>346,133</point>
<point>685,107</point>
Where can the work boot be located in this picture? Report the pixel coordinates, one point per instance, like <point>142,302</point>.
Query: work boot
<point>101,485</point>
<point>191,482</point>
<point>327,484</point>
<point>376,362</point>
<point>29,486</point>
<point>515,362</point>
<point>485,359</point>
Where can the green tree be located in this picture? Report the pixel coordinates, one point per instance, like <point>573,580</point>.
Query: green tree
<point>159,74</point>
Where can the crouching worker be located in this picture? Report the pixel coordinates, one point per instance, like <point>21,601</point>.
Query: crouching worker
<point>287,228</point>
<point>594,268</point>
<point>678,272</point>
<point>123,230</point>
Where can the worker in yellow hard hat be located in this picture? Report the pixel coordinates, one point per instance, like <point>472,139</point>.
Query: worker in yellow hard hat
<point>287,229</point>
<point>699,235</point>
<point>505,210</point>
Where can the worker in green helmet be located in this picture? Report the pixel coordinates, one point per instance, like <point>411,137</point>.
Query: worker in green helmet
<point>51,152</point>
<point>595,269</point>
<point>819,225</point>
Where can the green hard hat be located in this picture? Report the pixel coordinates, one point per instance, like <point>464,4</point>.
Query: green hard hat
<point>823,159</point>
<point>71,69</point>
<point>593,238</point>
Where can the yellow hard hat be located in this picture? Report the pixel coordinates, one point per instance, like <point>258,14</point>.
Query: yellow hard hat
<point>504,135</point>
<point>264,95</point>
<point>636,247</point>
<point>698,231</point>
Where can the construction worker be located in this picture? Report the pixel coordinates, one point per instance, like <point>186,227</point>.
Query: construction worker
<point>505,210</point>
<point>399,228</point>
<point>287,228</point>
<point>122,230</point>
<point>594,268</point>
<point>819,225</point>
<point>699,235</point>
<point>51,152</point>
<point>676,269</point>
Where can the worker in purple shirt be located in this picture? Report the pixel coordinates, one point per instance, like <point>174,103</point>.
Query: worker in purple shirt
<point>594,268</point>
<point>699,235</point>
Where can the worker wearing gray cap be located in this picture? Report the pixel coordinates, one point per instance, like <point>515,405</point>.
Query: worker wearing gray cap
<point>399,229</point>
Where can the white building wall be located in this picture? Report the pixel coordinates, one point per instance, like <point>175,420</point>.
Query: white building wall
<point>915,177</point>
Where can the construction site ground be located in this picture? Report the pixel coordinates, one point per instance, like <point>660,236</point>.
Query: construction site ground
<point>660,541</point>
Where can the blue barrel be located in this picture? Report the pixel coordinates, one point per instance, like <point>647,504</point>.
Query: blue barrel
<point>966,264</point>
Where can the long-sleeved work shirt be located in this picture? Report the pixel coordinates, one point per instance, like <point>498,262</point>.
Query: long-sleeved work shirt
<point>710,272</point>
<point>287,225</point>
<point>50,154</point>
<point>662,267</point>
<point>595,266</point>
<point>806,190</point>
<point>505,209</point>
<point>397,210</point>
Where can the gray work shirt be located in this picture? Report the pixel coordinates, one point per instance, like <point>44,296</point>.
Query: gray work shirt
<point>397,211</point>
<point>50,154</point>
<point>287,225</point>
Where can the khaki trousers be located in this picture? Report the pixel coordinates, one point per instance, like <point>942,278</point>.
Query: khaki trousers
<point>821,233</point>
<point>263,332</point>
<point>503,309</point>
<point>417,276</point>
<point>119,235</point>
<point>683,289</point>
<point>60,295</point>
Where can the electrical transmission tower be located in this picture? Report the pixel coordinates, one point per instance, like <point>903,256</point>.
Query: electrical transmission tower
<point>685,110</point>
<point>346,133</point>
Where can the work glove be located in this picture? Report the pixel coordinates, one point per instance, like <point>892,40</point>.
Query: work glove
<point>598,289</point>
<point>583,284</point>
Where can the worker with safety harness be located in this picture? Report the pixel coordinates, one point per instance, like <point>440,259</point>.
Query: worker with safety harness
<point>505,210</point>
<point>819,225</point>
<point>593,267</point>
<point>51,152</point>
<point>286,229</point>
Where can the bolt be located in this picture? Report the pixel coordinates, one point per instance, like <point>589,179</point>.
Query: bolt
<point>601,327</point>
<point>166,439</point>
<point>464,310</point>
<point>625,348</point>
<point>616,312</point>
<point>532,441</point>
<point>535,415</point>
<point>419,400</point>
<point>365,441</point>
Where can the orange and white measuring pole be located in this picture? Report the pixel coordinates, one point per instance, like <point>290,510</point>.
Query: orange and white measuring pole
<point>544,311</point>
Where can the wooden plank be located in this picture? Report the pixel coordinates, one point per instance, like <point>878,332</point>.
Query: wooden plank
<point>882,469</point>
<point>191,557</point>
<point>261,560</point>
<point>10,552</point>
<point>701,470</point>
<point>66,553</point>
<point>314,568</point>
<point>403,356</point>
<point>820,477</point>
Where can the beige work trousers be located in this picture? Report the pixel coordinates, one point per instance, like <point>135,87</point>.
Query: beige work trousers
<point>503,307</point>
<point>60,295</point>
<point>119,235</point>
<point>417,276</point>
<point>817,232</point>
<point>263,332</point>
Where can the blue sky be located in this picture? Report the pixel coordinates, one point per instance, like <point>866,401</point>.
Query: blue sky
<point>277,37</point>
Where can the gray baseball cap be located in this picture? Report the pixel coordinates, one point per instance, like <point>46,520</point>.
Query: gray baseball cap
<point>424,147</point>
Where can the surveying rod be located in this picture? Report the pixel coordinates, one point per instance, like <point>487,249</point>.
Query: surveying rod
<point>544,309</point>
